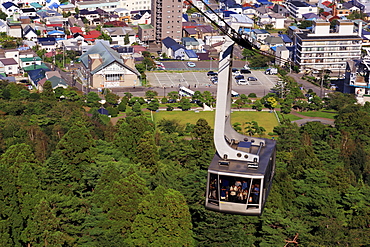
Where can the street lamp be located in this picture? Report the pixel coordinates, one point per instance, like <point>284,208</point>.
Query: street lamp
<point>164,91</point>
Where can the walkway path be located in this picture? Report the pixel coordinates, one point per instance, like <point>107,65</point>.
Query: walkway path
<point>306,119</point>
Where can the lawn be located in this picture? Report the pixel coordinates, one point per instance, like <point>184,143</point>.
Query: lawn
<point>264,119</point>
<point>323,114</point>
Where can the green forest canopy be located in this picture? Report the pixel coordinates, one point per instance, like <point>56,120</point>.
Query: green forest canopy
<point>71,178</point>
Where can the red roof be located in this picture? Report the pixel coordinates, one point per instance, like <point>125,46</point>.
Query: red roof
<point>138,48</point>
<point>116,23</point>
<point>54,25</point>
<point>93,34</point>
<point>326,3</point>
<point>76,30</point>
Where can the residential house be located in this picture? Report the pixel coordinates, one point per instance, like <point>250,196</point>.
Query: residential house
<point>190,55</point>
<point>173,49</point>
<point>9,66</point>
<point>280,9</point>
<point>146,33</point>
<point>65,8</point>
<point>287,41</point>
<point>91,36</point>
<point>27,61</point>
<point>118,35</point>
<point>49,44</point>
<point>12,53</point>
<point>14,26</point>
<point>274,41</point>
<point>321,48</point>
<point>9,8</point>
<point>297,8</point>
<point>189,32</point>
<point>56,34</point>
<point>191,44</point>
<point>238,21</point>
<point>107,5</point>
<point>30,12</point>
<point>259,34</point>
<point>141,17</point>
<point>123,14</point>
<point>105,68</point>
<point>34,76</point>
<point>29,33</point>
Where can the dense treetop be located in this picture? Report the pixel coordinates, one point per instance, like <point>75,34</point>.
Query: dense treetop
<point>71,178</point>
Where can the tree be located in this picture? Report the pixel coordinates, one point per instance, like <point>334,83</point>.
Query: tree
<point>163,212</point>
<point>257,105</point>
<point>111,98</point>
<point>68,163</point>
<point>184,104</point>
<point>127,39</point>
<point>153,105</point>
<point>3,16</point>
<point>253,128</point>
<point>173,95</point>
<point>93,99</point>
<point>305,24</point>
<point>147,152</point>
<point>150,94</point>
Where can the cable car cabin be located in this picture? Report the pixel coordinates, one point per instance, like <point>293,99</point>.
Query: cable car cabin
<point>241,187</point>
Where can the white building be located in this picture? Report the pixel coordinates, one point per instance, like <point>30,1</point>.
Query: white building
<point>322,49</point>
<point>298,8</point>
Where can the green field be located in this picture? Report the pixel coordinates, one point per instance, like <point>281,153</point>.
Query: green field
<point>323,114</point>
<point>264,119</point>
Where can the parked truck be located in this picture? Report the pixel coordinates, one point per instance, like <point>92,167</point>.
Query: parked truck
<point>271,71</point>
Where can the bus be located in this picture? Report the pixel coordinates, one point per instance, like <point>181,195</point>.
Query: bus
<point>234,93</point>
<point>185,92</point>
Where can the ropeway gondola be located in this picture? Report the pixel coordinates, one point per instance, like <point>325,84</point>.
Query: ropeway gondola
<point>241,173</point>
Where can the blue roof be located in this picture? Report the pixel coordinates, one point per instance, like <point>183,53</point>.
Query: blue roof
<point>260,31</point>
<point>185,16</point>
<point>36,5</point>
<point>177,47</point>
<point>7,5</point>
<point>168,42</point>
<point>46,41</point>
<point>191,54</point>
<point>285,38</point>
<point>244,30</point>
<point>56,32</point>
<point>54,5</point>
<point>103,111</point>
<point>228,13</point>
<point>37,74</point>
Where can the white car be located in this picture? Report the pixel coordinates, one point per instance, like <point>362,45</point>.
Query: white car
<point>242,82</point>
<point>246,67</point>
<point>191,64</point>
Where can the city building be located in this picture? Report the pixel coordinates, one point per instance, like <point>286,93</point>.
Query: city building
<point>167,19</point>
<point>322,48</point>
<point>103,67</point>
<point>297,8</point>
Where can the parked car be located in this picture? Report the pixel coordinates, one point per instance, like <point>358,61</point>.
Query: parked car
<point>242,82</point>
<point>251,78</point>
<point>245,71</point>
<point>238,77</point>
<point>171,101</point>
<point>211,73</point>
<point>246,67</point>
<point>191,64</point>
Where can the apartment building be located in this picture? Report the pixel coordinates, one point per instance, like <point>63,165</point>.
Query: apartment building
<point>323,48</point>
<point>167,19</point>
<point>297,8</point>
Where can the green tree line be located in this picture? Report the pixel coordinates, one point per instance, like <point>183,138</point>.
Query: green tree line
<point>71,178</point>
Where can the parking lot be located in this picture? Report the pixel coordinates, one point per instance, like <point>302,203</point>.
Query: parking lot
<point>200,81</point>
